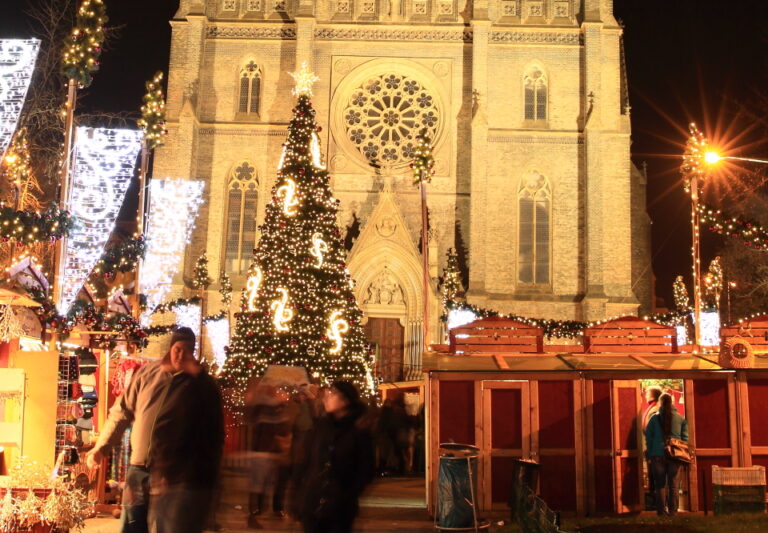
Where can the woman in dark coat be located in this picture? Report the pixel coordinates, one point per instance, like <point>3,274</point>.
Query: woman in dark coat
<point>338,465</point>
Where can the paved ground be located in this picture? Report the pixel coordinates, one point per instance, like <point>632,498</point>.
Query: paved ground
<point>391,504</point>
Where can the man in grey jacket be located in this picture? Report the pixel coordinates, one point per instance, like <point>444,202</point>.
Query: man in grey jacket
<point>139,405</point>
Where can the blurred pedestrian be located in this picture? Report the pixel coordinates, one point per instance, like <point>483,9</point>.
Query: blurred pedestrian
<point>138,405</point>
<point>186,444</point>
<point>665,424</point>
<point>271,425</point>
<point>339,465</point>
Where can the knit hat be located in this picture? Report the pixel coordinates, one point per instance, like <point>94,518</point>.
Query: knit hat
<point>182,334</point>
<point>349,391</point>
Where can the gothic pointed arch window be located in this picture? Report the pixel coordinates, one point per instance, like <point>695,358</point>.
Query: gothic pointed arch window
<point>249,93</point>
<point>534,200</point>
<point>535,87</point>
<point>242,202</point>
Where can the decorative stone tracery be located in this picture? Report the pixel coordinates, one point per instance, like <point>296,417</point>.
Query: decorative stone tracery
<point>384,114</point>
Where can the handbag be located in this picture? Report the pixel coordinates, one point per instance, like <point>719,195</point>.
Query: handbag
<point>679,450</point>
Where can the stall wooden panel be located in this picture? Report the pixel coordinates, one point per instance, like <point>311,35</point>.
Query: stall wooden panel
<point>456,418</point>
<point>712,430</point>
<point>600,448</point>
<point>506,437</point>
<point>496,335</point>
<point>757,393</point>
<point>627,445</point>
<point>554,422</point>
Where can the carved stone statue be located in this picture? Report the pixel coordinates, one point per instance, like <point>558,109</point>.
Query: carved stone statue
<point>385,290</point>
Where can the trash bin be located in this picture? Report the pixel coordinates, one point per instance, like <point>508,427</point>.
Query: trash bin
<point>525,473</point>
<point>457,487</point>
<point>738,490</point>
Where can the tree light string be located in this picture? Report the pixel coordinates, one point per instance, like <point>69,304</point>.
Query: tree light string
<point>17,63</point>
<point>173,209</point>
<point>104,161</point>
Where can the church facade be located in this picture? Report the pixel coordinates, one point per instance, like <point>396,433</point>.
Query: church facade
<point>525,100</point>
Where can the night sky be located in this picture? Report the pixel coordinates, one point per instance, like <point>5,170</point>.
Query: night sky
<point>686,59</point>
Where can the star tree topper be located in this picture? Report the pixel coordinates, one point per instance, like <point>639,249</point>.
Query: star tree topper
<point>304,79</point>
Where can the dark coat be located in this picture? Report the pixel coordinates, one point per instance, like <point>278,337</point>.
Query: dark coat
<point>188,434</point>
<point>338,465</point>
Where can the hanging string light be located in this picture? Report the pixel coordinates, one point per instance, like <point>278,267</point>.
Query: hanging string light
<point>17,63</point>
<point>103,169</point>
<point>172,214</point>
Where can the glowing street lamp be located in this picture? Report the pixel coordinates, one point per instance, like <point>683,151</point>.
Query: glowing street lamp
<point>698,156</point>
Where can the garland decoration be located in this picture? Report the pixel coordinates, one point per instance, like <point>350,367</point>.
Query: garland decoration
<point>30,227</point>
<point>83,47</point>
<point>751,233</point>
<point>85,313</point>
<point>154,331</point>
<point>122,258</point>
<point>168,307</point>
<point>566,329</point>
<point>152,119</point>
<point>423,161</point>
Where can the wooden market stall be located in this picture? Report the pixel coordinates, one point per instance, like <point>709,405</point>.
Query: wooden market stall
<point>577,411</point>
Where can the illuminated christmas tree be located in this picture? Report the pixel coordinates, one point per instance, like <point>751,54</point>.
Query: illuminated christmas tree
<point>452,287</point>
<point>682,302</point>
<point>298,307</point>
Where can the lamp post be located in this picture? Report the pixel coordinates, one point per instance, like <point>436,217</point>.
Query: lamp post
<point>698,155</point>
<point>423,164</point>
<point>694,174</point>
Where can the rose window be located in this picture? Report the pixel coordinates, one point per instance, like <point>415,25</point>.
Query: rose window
<point>384,115</point>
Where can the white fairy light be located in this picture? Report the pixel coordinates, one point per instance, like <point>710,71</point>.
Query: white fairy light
<point>281,163</point>
<point>682,335</point>
<point>252,287</point>
<point>104,161</point>
<point>459,317</point>
<point>189,316</point>
<point>17,63</point>
<point>282,313</point>
<point>339,326</point>
<point>174,204</point>
<point>288,193</point>
<point>218,335</point>
<point>319,248</point>
<point>314,149</point>
<point>710,328</point>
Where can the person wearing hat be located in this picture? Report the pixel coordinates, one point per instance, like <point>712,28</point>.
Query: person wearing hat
<point>138,406</point>
<point>185,446</point>
<point>338,463</point>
